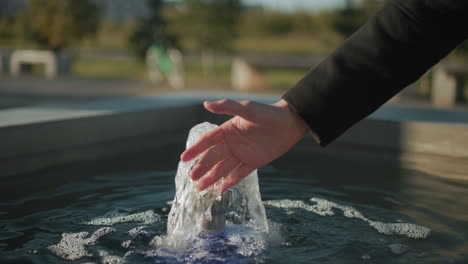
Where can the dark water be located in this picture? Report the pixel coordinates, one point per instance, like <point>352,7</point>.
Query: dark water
<point>36,209</point>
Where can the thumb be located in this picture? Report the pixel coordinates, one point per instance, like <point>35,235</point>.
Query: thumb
<point>226,106</point>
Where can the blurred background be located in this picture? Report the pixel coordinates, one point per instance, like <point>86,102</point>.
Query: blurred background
<point>65,50</point>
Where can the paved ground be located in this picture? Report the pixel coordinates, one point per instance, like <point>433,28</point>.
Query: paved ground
<point>33,90</point>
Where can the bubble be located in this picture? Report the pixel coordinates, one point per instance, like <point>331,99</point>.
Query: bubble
<point>137,231</point>
<point>320,209</point>
<point>146,218</point>
<point>406,229</point>
<point>157,241</point>
<point>127,244</point>
<point>106,258</point>
<point>72,245</point>
<point>398,249</point>
<point>366,257</point>
<point>324,207</point>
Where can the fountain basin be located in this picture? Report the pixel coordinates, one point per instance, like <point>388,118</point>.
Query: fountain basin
<point>37,137</point>
<point>69,169</point>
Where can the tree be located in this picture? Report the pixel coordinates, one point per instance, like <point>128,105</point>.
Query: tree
<point>205,25</point>
<point>353,16</point>
<point>150,30</point>
<point>462,49</point>
<point>5,24</point>
<point>56,24</point>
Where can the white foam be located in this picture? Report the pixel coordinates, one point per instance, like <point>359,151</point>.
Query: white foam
<point>106,258</point>
<point>157,241</point>
<point>134,233</point>
<point>406,229</point>
<point>139,230</point>
<point>127,244</point>
<point>325,208</point>
<point>290,204</point>
<point>398,249</point>
<point>146,218</point>
<point>366,257</point>
<point>246,240</point>
<point>72,245</point>
<point>247,244</point>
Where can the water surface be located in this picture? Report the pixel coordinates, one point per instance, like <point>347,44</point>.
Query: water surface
<point>122,204</point>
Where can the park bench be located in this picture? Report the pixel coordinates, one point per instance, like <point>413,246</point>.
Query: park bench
<point>4,55</point>
<point>1,63</point>
<point>53,63</point>
<point>247,75</point>
<point>247,71</point>
<point>447,82</point>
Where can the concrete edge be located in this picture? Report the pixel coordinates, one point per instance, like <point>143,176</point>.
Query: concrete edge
<point>73,132</point>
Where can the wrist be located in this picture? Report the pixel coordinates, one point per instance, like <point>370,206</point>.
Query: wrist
<point>299,124</point>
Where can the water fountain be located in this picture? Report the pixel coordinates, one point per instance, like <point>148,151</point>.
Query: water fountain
<point>207,212</point>
<point>353,202</point>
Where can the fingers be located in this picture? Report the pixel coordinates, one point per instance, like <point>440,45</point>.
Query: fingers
<point>209,160</point>
<point>204,143</point>
<point>221,169</point>
<point>229,107</point>
<point>214,162</point>
<point>237,175</point>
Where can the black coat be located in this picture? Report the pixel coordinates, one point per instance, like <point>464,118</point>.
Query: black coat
<point>393,49</point>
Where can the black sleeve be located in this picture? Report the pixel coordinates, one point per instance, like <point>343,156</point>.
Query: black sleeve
<point>394,48</point>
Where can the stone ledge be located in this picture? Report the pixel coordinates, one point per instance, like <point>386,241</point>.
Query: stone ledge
<point>33,138</point>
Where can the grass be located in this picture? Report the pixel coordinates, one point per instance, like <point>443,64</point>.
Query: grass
<point>283,78</point>
<point>194,74</point>
<point>220,74</point>
<point>133,69</point>
<point>290,44</point>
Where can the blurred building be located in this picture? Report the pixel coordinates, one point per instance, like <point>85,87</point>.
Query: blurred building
<point>10,7</point>
<point>119,11</point>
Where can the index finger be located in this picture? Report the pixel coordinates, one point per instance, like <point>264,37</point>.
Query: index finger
<point>204,143</point>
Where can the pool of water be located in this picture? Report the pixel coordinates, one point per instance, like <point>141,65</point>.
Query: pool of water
<point>320,209</point>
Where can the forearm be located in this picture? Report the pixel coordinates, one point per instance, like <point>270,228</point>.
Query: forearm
<point>389,52</point>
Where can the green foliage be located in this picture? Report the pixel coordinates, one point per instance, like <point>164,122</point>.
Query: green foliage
<point>462,49</point>
<point>349,19</point>
<point>5,27</point>
<point>262,22</point>
<point>147,31</point>
<point>205,25</point>
<point>56,24</point>
<point>259,22</point>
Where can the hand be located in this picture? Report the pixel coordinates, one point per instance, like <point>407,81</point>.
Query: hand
<point>256,135</point>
